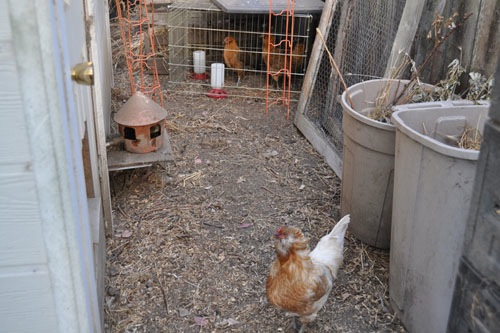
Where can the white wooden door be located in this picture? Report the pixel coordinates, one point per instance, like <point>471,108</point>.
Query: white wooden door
<point>99,50</point>
<point>97,22</point>
<point>89,40</point>
<point>49,176</point>
<point>71,20</point>
<point>47,264</point>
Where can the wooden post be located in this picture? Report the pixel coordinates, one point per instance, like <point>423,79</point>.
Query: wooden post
<point>405,35</point>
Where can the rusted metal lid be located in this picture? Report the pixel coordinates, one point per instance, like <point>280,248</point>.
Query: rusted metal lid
<point>140,110</point>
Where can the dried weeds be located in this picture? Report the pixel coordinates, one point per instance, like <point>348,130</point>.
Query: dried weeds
<point>471,138</point>
<point>414,91</point>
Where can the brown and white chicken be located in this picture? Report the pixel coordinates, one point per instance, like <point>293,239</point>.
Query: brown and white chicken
<point>300,280</point>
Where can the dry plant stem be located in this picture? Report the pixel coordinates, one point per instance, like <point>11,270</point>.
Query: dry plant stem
<point>163,295</point>
<point>334,64</point>
<point>426,60</point>
<point>382,102</point>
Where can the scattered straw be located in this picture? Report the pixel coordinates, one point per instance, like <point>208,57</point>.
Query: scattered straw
<point>192,247</point>
<point>471,138</point>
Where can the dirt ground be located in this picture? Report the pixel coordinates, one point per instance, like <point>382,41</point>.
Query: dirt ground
<point>192,240</point>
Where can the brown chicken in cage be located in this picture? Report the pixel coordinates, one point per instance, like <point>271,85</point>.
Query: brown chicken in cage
<point>275,57</point>
<point>298,57</point>
<point>232,57</point>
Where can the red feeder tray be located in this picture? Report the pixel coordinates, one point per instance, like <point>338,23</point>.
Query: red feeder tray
<point>217,93</point>
<point>199,76</point>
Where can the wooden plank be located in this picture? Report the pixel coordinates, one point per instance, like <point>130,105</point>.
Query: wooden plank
<point>480,37</point>
<point>405,35</point>
<point>321,144</point>
<point>469,32</point>
<point>475,44</point>
<point>316,54</point>
<point>87,166</point>
<point>100,52</point>
<point>99,249</point>
<point>341,39</point>
<point>487,48</point>
<point>119,159</point>
<point>308,128</point>
<point>423,45</point>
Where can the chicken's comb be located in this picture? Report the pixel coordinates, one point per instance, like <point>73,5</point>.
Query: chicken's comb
<point>279,232</point>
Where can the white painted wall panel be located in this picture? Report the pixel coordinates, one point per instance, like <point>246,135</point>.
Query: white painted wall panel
<point>5,31</point>
<point>15,145</point>
<point>26,300</point>
<point>21,239</point>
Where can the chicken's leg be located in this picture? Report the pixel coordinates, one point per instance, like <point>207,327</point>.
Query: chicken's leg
<point>295,326</point>
<point>302,327</point>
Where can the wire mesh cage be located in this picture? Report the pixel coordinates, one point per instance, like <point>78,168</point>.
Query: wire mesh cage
<point>202,26</point>
<point>360,36</point>
<point>138,39</point>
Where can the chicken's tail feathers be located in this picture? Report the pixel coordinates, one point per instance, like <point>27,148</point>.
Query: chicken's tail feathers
<point>330,249</point>
<point>340,228</point>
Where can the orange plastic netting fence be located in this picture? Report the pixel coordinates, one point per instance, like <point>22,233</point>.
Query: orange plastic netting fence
<point>136,19</point>
<point>279,69</point>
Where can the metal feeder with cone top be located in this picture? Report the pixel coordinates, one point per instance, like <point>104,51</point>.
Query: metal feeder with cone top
<point>141,122</point>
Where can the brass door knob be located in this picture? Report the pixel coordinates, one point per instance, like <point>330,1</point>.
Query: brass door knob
<point>83,73</point>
